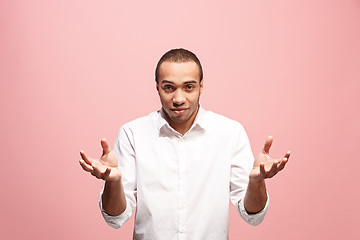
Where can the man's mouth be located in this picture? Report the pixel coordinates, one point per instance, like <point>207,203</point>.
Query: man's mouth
<point>178,110</point>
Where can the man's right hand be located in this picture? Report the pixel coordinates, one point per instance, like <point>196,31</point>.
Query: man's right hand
<point>106,167</point>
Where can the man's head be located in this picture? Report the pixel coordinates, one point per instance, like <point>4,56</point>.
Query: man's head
<point>179,55</point>
<point>179,84</point>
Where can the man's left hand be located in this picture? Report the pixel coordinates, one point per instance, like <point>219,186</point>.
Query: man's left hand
<point>266,167</point>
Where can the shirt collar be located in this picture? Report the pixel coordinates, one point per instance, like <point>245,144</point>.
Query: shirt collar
<point>198,124</point>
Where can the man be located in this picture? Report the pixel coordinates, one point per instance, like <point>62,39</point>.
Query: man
<point>180,165</point>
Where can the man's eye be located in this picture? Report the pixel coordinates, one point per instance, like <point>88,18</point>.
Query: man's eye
<point>168,87</point>
<point>190,87</point>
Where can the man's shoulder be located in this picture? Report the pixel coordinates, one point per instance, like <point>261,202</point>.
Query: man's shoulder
<point>142,122</point>
<point>218,120</point>
<point>225,128</point>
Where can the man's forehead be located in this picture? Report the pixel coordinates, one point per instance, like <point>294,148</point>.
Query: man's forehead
<point>188,64</point>
<point>170,70</point>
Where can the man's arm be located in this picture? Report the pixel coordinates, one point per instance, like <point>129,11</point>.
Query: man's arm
<point>256,197</point>
<point>106,168</point>
<point>264,167</point>
<point>113,198</point>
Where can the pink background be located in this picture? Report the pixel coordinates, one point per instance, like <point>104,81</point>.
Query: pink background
<point>72,72</point>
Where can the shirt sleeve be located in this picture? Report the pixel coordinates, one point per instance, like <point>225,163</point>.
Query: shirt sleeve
<point>252,219</point>
<point>241,164</point>
<point>125,153</point>
<point>115,221</point>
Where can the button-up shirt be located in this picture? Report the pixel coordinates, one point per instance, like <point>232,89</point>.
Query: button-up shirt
<point>180,184</point>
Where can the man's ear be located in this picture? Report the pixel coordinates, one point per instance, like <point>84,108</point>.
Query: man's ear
<point>201,85</point>
<point>157,86</point>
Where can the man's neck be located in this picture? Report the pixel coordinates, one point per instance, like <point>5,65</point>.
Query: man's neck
<point>181,128</point>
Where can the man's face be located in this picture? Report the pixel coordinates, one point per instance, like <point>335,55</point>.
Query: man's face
<point>179,89</point>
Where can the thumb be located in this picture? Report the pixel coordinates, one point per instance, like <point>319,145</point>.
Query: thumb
<point>267,145</point>
<point>105,146</point>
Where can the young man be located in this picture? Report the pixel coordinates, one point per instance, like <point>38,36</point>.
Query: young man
<point>180,165</point>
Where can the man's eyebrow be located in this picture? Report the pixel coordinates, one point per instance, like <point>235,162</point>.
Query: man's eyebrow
<point>187,82</point>
<point>167,81</point>
<point>192,81</point>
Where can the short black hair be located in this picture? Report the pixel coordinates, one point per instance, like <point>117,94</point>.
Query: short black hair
<point>178,55</point>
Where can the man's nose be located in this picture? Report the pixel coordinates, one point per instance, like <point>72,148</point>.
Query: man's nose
<point>179,97</point>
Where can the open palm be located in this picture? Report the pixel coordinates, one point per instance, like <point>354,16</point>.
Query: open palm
<point>266,167</point>
<point>106,167</point>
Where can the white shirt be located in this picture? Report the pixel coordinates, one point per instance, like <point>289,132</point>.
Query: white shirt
<point>179,184</point>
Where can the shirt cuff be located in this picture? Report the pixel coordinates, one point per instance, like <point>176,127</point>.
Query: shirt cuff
<point>115,221</point>
<point>253,219</point>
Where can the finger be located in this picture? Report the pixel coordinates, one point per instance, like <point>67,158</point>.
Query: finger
<point>85,166</point>
<point>267,145</point>
<point>262,169</point>
<point>85,157</point>
<point>102,175</point>
<point>282,164</point>
<point>106,173</point>
<point>96,172</point>
<point>287,155</point>
<point>273,170</point>
<point>105,146</point>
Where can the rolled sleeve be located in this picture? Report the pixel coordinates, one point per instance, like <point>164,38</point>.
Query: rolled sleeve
<point>115,221</point>
<point>252,219</point>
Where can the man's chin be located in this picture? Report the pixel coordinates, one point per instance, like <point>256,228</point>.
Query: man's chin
<point>178,120</point>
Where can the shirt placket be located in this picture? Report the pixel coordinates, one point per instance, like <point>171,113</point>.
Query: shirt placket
<point>182,196</point>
